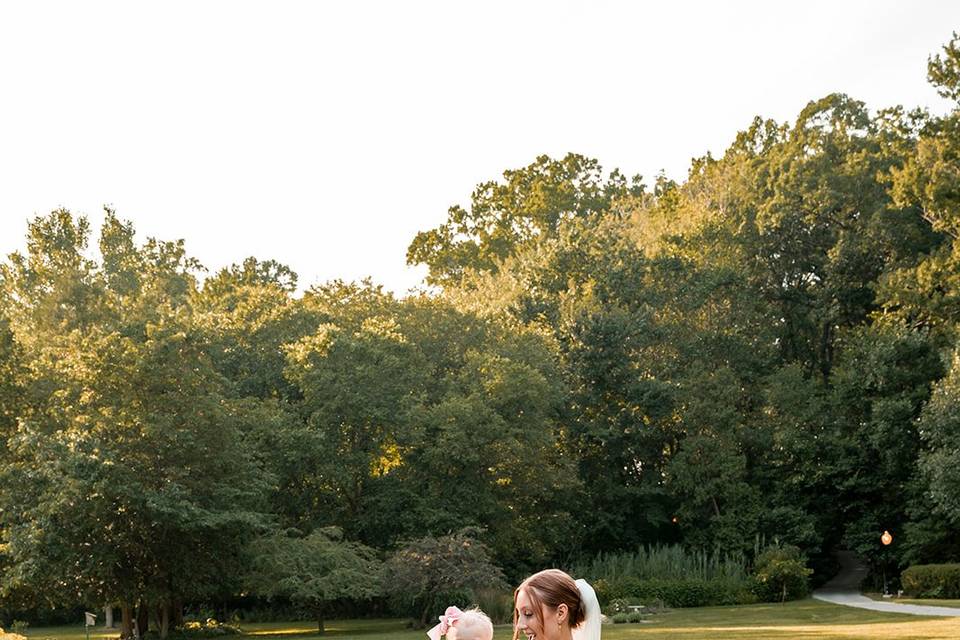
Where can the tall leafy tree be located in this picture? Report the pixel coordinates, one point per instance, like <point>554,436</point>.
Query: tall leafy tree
<point>128,480</point>
<point>526,207</point>
<point>313,570</point>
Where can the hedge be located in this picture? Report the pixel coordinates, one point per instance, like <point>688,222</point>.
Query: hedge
<point>932,580</point>
<point>677,593</point>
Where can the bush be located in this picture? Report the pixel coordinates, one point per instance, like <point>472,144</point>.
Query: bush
<point>496,603</point>
<point>781,574</point>
<point>617,605</point>
<point>661,562</point>
<point>209,628</point>
<point>932,580</point>
<point>615,595</point>
<point>19,627</point>
<point>430,574</point>
<point>194,631</point>
<point>669,574</point>
<point>623,618</point>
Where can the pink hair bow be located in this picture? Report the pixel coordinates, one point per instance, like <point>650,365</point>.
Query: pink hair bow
<point>450,616</point>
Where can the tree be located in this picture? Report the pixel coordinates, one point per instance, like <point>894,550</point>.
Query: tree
<point>486,451</point>
<point>527,207</point>
<point>128,479</point>
<point>881,384</point>
<point>360,389</point>
<point>431,573</point>
<point>781,573</point>
<point>313,570</point>
<point>248,315</point>
<point>927,186</point>
<point>940,462</point>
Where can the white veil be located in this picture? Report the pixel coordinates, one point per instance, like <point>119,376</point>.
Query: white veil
<point>590,628</point>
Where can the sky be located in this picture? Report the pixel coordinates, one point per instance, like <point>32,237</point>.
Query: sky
<point>325,135</point>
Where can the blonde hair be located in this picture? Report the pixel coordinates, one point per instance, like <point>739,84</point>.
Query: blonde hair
<point>474,624</point>
<point>550,588</point>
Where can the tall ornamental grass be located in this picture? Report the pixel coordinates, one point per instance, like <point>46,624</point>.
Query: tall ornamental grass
<point>668,574</point>
<point>663,562</point>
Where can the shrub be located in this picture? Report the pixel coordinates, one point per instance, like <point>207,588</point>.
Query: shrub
<point>430,574</point>
<point>676,593</point>
<point>932,580</point>
<point>19,627</point>
<point>781,574</point>
<point>496,603</point>
<point>192,630</point>
<point>617,605</point>
<point>662,562</point>
<point>623,618</point>
<point>669,574</point>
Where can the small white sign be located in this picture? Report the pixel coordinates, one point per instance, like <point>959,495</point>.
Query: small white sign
<point>90,619</point>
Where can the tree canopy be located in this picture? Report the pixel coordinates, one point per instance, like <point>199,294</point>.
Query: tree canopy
<point>763,351</point>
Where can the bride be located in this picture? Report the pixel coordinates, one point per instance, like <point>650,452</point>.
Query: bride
<point>550,605</point>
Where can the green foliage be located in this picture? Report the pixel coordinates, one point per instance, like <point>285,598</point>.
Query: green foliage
<point>313,570</point>
<point>126,477</point>
<point>208,628</point>
<point>606,368</point>
<point>940,427</point>
<point>931,580</point>
<point>669,574</point>
<point>430,574</point>
<point>680,592</point>
<point>781,574</point>
<point>496,603</point>
<point>616,606</point>
<point>527,207</point>
<point>662,562</point>
<point>943,70</point>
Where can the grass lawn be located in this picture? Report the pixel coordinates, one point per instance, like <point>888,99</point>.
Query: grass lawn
<point>926,601</point>
<point>807,619</point>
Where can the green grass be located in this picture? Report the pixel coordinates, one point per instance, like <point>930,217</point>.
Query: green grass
<point>932,602</point>
<point>927,601</point>
<point>803,620</point>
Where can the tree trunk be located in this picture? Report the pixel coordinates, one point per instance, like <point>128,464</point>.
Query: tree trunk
<point>155,614</point>
<point>126,622</point>
<point>320,626</point>
<point>164,620</point>
<point>108,616</point>
<point>177,613</point>
<point>143,619</point>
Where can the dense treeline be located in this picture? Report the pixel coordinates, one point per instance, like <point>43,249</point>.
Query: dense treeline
<point>764,351</point>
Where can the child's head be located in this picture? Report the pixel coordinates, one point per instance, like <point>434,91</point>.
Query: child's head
<point>472,624</point>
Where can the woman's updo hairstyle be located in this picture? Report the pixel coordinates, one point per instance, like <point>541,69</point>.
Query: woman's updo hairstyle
<point>551,588</point>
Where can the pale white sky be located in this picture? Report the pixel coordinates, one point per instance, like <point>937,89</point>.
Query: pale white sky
<point>326,134</point>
